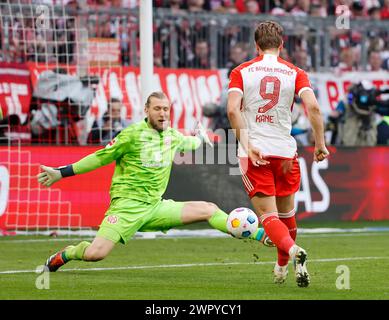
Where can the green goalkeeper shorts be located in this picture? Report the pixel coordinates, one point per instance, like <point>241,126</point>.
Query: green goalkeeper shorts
<point>127,216</point>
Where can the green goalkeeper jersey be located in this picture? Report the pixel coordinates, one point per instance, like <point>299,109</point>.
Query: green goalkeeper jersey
<point>144,159</point>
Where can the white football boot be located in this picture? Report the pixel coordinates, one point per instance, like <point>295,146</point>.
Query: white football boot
<point>280,273</point>
<point>299,258</point>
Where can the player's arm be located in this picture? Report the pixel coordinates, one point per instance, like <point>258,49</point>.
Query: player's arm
<point>237,123</point>
<point>316,119</point>
<point>304,91</point>
<point>189,143</point>
<point>234,102</point>
<point>114,150</point>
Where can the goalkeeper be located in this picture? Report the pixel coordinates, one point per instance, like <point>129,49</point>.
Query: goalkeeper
<point>144,153</point>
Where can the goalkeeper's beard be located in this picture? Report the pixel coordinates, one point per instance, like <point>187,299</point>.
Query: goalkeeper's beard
<point>158,125</point>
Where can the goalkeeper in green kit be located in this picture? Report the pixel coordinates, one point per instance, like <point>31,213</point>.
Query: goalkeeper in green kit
<point>144,153</point>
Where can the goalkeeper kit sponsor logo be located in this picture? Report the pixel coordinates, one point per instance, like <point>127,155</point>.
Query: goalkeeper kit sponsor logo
<point>113,219</point>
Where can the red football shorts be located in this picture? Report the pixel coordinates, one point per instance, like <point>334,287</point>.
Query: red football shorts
<point>281,177</point>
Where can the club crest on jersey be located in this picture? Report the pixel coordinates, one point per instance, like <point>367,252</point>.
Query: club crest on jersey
<point>111,143</point>
<point>112,219</point>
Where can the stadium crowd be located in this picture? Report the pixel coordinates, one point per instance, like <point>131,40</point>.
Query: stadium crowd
<point>21,41</point>
<point>320,8</point>
<point>192,34</point>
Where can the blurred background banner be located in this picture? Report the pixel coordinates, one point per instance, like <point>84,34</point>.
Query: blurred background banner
<point>330,89</point>
<point>15,89</point>
<point>189,89</point>
<point>81,202</point>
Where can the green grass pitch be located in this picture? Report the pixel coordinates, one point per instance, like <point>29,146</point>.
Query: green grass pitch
<point>198,268</point>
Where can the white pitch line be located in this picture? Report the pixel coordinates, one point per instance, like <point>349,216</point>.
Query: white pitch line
<point>189,265</point>
<point>44,240</point>
<point>304,235</point>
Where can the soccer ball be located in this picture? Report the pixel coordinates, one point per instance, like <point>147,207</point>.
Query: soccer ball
<point>242,222</point>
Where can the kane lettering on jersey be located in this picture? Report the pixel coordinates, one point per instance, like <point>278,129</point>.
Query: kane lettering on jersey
<point>268,85</point>
<point>143,158</point>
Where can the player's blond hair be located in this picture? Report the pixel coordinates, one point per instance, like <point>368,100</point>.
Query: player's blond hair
<point>157,95</point>
<point>268,35</point>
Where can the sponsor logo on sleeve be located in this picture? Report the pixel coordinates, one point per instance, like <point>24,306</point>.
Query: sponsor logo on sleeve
<point>112,219</point>
<point>111,143</point>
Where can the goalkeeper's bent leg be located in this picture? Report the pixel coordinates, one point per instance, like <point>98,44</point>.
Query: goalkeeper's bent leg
<point>58,259</point>
<point>95,251</point>
<point>76,252</point>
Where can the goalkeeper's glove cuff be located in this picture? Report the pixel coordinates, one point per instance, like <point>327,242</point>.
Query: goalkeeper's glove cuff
<point>66,171</point>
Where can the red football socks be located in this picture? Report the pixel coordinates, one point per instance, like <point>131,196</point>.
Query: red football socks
<point>277,231</point>
<point>289,219</point>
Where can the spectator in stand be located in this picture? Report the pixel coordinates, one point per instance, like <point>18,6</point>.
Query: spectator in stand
<point>385,10</point>
<point>185,50</point>
<point>201,58</point>
<point>110,125</point>
<point>301,9</point>
<point>284,54</point>
<point>196,6</point>
<point>238,55</point>
<point>130,4</point>
<point>99,3</point>
<point>104,28</point>
<point>239,4</point>
<point>288,5</point>
<point>284,8</point>
<point>301,59</point>
<point>223,6</point>
<point>158,59</point>
<point>176,7</point>
<point>318,9</point>
<point>252,7</point>
<point>347,61</point>
<point>357,9</point>
<point>375,61</point>
<point>117,3</point>
<point>374,13</point>
<point>376,44</point>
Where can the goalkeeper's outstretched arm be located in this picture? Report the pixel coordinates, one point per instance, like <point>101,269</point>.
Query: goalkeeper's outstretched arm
<point>51,175</point>
<point>114,150</point>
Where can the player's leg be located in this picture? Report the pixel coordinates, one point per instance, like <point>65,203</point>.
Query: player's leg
<point>195,211</point>
<point>170,214</point>
<point>286,214</point>
<point>123,218</point>
<point>86,251</point>
<point>259,183</point>
<point>266,208</point>
<point>288,177</point>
